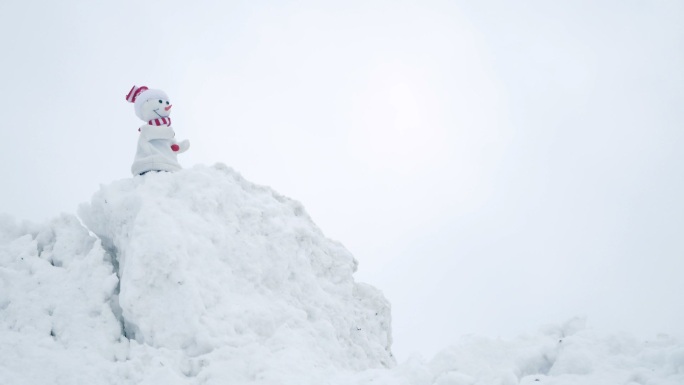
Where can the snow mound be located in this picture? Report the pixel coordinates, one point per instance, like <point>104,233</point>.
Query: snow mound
<point>209,261</point>
<point>184,277</point>
<point>200,277</point>
<point>55,319</point>
<point>568,354</point>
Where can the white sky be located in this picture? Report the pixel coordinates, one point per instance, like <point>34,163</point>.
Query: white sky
<point>493,165</point>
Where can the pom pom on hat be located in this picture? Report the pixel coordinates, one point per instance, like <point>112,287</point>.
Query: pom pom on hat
<point>134,93</point>
<point>139,95</point>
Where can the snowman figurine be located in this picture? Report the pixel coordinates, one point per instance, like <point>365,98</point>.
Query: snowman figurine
<point>157,147</point>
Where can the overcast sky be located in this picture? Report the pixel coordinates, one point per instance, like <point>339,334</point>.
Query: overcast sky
<point>493,165</point>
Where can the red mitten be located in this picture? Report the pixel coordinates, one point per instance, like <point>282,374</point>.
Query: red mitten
<point>175,147</point>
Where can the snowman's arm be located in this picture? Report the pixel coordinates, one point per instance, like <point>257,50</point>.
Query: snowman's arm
<point>182,146</point>
<point>156,132</point>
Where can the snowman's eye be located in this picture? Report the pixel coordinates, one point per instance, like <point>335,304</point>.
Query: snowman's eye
<point>160,102</point>
<point>167,102</point>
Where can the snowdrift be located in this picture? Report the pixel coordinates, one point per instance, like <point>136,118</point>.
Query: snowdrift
<point>201,277</point>
<point>218,277</point>
<point>207,260</point>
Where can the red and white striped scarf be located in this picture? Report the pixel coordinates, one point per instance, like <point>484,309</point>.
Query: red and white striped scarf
<point>160,122</point>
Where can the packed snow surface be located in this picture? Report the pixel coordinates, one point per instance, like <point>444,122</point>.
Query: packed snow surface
<point>201,277</point>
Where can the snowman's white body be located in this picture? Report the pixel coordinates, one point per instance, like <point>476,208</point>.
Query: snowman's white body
<point>154,151</point>
<point>157,148</point>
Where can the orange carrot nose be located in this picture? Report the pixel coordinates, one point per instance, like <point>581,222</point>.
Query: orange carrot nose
<point>168,108</point>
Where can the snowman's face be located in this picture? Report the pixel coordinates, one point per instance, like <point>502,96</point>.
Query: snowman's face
<point>155,109</point>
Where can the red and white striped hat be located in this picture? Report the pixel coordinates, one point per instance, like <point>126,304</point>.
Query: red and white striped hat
<point>139,95</point>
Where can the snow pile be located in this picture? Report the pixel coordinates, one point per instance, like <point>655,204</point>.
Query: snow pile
<point>56,325</point>
<point>561,355</point>
<point>209,261</point>
<point>200,277</point>
<point>197,275</point>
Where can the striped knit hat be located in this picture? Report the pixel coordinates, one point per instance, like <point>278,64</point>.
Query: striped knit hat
<point>139,95</point>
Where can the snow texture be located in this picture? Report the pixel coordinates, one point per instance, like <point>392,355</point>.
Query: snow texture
<point>201,277</point>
